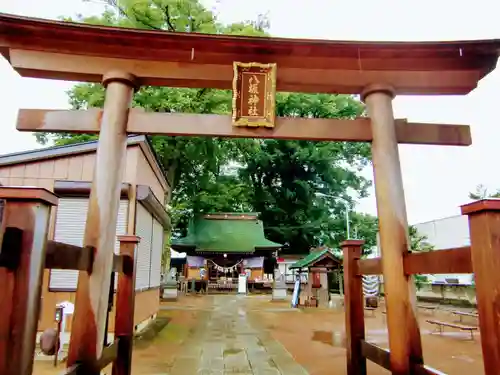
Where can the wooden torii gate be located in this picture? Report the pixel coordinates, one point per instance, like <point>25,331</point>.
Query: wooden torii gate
<point>125,59</point>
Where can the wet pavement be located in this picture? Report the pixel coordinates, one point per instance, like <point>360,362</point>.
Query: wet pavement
<point>229,334</point>
<point>230,343</point>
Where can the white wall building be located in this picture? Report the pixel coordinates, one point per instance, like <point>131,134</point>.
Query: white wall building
<point>449,232</point>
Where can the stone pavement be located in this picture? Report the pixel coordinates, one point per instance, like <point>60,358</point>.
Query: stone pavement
<point>229,344</point>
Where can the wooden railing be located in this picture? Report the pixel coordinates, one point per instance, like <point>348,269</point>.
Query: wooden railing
<point>24,253</point>
<point>482,258</point>
<point>456,260</point>
<point>382,357</point>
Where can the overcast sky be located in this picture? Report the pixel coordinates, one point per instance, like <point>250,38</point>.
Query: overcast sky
<point>436,179</point>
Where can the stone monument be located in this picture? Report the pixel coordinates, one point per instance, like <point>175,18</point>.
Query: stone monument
<point>170,286</point>
<point>279,288</point>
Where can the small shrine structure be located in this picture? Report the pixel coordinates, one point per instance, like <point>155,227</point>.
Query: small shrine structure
<point>226,245</point>
<point>317,264</point>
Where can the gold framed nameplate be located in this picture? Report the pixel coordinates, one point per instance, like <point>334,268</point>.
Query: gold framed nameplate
<point>254,94</point>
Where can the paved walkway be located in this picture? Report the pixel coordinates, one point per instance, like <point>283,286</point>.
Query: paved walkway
<point>229,344</point>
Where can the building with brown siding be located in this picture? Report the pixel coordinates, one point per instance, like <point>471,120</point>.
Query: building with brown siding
<point>68,172</point>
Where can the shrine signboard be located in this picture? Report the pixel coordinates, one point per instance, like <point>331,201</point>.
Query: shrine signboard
<point>254,94</point>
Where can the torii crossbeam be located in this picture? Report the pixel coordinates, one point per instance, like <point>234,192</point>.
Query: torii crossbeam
<point>183,124</point>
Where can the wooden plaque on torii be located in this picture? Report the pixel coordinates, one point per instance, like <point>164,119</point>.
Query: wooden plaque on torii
<point>254,94</point>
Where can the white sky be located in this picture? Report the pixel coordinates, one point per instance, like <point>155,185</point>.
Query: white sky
<point>436,179</point>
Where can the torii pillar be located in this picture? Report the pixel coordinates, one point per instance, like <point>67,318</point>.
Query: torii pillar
<point>89,321</point>
<point>404,335</point>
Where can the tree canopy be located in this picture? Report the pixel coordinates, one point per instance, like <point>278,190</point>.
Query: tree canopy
<point>300,188</point>
<point>418,241</point>
<point>482,192</point>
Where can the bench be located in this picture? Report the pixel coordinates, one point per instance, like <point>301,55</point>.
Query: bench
<point>371,309</point>
<point>427,307</point>
<point>461,314</point>
<point>440,326</point>
<point>430,308</point>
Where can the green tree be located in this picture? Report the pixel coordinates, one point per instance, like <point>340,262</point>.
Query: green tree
<point>197,163</point>
<point>482,192</point>
<point>286,176</point>
<point>280,179</point>
<point>419,243</point>
<point>365,227</point>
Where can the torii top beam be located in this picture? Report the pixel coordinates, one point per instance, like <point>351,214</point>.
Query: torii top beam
<point>78,52</point>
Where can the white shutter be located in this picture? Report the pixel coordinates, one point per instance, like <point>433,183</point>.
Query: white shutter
<point>121,228</point>
<point>156,251</point>
<point>121,222</point>
<point>70,227</point>
<point>143,229</point>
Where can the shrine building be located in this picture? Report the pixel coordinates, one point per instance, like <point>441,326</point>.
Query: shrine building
<point>226,245</point>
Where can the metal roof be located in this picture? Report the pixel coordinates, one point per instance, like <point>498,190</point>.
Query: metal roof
<point>224,235</point>
<point>72,149</point>
<point>313,257</point>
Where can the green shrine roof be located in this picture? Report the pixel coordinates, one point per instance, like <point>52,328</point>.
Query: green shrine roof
<point>312,258</point>
<point>225,232</point>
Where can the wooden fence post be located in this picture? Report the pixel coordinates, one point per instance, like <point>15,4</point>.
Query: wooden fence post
<point>484,227</point>
<point>125,304</point>
<point>354,309</point>
<point>24,219</point>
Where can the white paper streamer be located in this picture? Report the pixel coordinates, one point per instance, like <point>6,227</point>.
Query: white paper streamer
<point>226,269</point>
<point>370,285</point>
